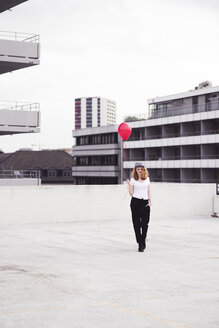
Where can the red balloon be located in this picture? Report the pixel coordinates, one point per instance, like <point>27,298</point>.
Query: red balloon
<point>124,131</point>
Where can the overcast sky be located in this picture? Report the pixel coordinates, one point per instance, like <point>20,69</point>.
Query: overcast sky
<point>125,50</point>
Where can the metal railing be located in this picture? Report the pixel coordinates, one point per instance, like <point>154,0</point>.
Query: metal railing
<point>19,174</point>
<point>21,106</point>
<point>19,36</point>
<point>172,135</point>
<point>192,109</point>
<point>173,157</point>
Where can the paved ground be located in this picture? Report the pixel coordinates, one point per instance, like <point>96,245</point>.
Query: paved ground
<point>89,274</point>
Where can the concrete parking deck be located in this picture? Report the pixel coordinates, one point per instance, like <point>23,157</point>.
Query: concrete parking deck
<point>89,274</point>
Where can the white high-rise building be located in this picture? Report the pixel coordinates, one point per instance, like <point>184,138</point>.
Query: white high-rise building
<point>93,112</point>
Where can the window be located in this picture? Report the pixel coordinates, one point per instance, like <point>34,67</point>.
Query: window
<point>52,173</point>
<point>97,160</point>
<point>67,173</point>
<point>96,180</point>
<point>97,138</point>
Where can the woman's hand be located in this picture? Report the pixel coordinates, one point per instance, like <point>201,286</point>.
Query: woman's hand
<point>149,204</point>
<point>128,181</point>
<point>149,196</point>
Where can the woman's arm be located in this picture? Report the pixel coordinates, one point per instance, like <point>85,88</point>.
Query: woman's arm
<point>130,188</point>
<point>149,195</point>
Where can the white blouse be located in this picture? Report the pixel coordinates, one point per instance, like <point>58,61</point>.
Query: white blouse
<point>140,188</point>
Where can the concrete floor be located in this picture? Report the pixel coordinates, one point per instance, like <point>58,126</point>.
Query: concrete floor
<point>89,274</point>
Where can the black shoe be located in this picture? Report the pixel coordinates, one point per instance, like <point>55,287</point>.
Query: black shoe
<point>144,244</point>
<point>141,248</point>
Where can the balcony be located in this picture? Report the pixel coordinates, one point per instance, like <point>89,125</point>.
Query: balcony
<point>8,4</point>
<point>199,163</point>
<point>167,112</point>
<point>18,50</point>
<point>19,118</point>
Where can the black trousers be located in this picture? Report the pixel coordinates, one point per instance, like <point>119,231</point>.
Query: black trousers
<point>140,218</point>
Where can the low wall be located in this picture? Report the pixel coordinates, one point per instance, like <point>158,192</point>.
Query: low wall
<point>54,203</point>
<point>20,182</point>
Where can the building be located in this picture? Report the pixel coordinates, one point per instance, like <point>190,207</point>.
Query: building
<point>16,118</point>
<point>93,112</point>
<point>53,166</point>
<point>8,4</point>
<point>97,156</point>
<point>180,140</point>
<point>18,50</point>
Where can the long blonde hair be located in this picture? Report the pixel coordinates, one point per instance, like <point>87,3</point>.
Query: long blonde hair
<point>144,174</point>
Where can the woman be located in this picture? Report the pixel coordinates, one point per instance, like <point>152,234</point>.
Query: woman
<point>139,189</point>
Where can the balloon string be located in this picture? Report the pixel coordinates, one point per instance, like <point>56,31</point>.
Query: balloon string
<point>126,159</point>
